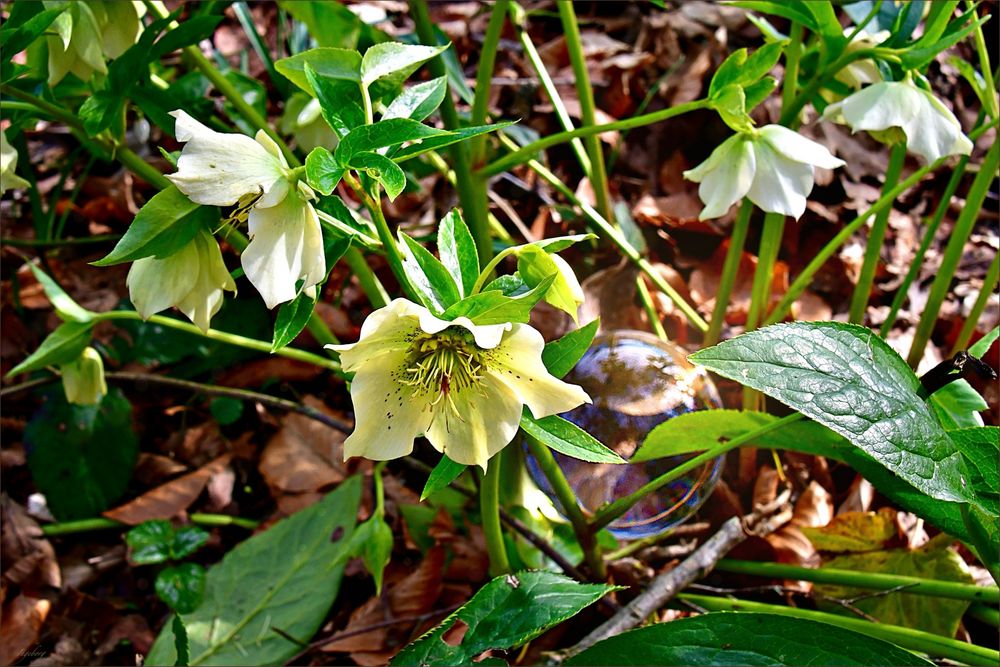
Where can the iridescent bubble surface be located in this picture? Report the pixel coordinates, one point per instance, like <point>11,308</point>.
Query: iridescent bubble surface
<point>636,382</point>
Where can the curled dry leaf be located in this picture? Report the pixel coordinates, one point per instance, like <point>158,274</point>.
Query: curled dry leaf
<point>168,500</point>
<point>22,620</point>
<point>28,558</point>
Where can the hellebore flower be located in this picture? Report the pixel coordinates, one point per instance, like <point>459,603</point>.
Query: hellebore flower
<point>859,72</point>
<point>88,32</point>
<point>773,166</point>
<point>192,279</point>
<point>931,130</point>
<point>8,163</point>
<point>286,244</point>
<point>303,119</point>
<point>83,378</point>
<point>461,384</point>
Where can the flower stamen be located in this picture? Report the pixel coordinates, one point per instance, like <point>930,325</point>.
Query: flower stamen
<point>443,364</point>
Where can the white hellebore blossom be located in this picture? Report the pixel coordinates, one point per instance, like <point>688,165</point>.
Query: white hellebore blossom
<point>461,384</point>
<point>773,166</point>
<point>193,279</point>
<point>88,32</point>
<point>8,163</point>
<point>286,244</point>
<point>931,130</point>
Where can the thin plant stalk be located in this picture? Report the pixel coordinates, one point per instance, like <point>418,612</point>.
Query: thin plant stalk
<point>953,253</point>
<point>101,523</point>
<point>989,287</point>
<point>868,580</point>
<point>985,614</point>
<point>730,268</point>
<point>650,307</point>
<point>908,638</point>
<point>570,506</point>
<point>802,281</point>
<point>925,243</point>
<point>790,81</point>
<point>585,94</point>
<point>489,508</point>
<point>763,277</point>
<point>992,107</point>
<point>876,238</point>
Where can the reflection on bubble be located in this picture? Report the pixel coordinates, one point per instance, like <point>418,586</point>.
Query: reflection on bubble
<point>637,382</point>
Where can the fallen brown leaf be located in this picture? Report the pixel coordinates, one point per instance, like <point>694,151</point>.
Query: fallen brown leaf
<point>167,500</point>
<point>22,620</point>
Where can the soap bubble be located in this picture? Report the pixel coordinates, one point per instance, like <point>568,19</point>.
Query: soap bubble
<point>636,382</point>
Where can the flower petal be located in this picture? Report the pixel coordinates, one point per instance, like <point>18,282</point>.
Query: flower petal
<point>935,131</point>
<point>157,284</point>
<point>387,416</point>
<point>725,176</point>
<point>286,245</point>
<point>387,330</point>
<point>205,298</point>
<point>780,185</point>
<point>217,169</point>
<point>487,336</point>
<point>797,148</point>
<point>487,420</point>
<point>517,363</point>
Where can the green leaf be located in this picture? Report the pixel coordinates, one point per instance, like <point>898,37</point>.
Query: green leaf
<point>383,134</point>
<point>291,319</point>
<point>918,56</point>
<point>61,346</point>
<point>760,62</point>
<point>286,577</point>
<point>756,93</point>
<point>428,276</point>
<point>932,561</point>
<point>187,540</point>
<point>560,356</point>
<point>847,378</point>
<point>81,456</point>
<point>373,542</point>
<point>383,170</point>
<point>507,612</point>
<point>339,100</point>
<point>446,139</point>
<point>181,587</point>
<point>793,10</point>
<point>66,308</point>
<point>393,63</point>
<point>983,529</point>
<point>957,405</point>
<point>17,36</point>
<point>743,638</point>
<point>567,438</point>
<point>495,308</point>
<point>983,345</point>
<point>980,447</point>
<point>163,226</point>
<point>728,72</point>
<point>419,101</point>
<point>458,251</point>
<point>181,645</point>
<point>226,410</point>
<point>327,62</point>
<point>331,24</point>
<point>700,430</point>
<point>445,472</point>
<point>191,31</point>
<point>560,243</point>
<point>150,542</point>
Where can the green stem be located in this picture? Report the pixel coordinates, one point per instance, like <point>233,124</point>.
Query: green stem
<point>100,523</point>
<point>908,638</point>
<point>790,112</point>
<point>989,287</point>
<point>489,508</point>
<point>225,337</point>
<point>519,19</point>
<point>984,65</point>
<point>588,110</point>
<point>379,490</point>
<point>647,303</point>
<point>763,277</point>
<point>369,282</point>
<point>608,230</point>
<point>953,252</point>
<point>730,268</point>
<point>917,262</point>
<point>470,183</point>
<point>609,513</point>
<point>869,580</point>
<point>570,506</point>
<point>55,243</point>
<point>793,53</point>
<point>988,615</point>
<point>484,77</point>
<point>527,152</point>
<point>817,262</point>
<point>876,237</point>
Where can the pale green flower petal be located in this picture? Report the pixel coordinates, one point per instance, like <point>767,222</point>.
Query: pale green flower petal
<point>725,176</point>
<point>487,336</point>
<point>8,163</point>
<point>121,24</point>
<point>218,169</point>
<point>387,330</point>
<point>486,420</point>
<point>83,378</point>
<point>286,245</point>
<point>157,284</point>
<point>517,363</point>
<point>206,297</point>
<point>780,185</point>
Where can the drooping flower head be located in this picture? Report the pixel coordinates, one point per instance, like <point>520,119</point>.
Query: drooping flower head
<point>773,166</point>
<point>192,279</point>
<point>88,32</point>
<point>83,378</point>
<point>461,385</point>
<point>8,163</point>
<point>286,243</point>
<point>931,130</point>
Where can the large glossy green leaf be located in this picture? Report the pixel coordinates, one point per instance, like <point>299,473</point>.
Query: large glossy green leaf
<point>382,169</point>
<point>329,62</point>
<point>507,612</point>
<point>442,140</point>
<point>270,594</point>
<point>567,438</point>
<point>419,101</point>
<point>848,379</point>
<point>560,356</point>
<point>383,134</point>
<point>391,63</point>
<point>495,308</point>
<point>744,638</point>
<point>458,251</point>
<point>957,405</point>
<point>981,450</point>
<point>428,275</point>
<point>339,100</point>
<point>323,172</point>
<point>162,227</point>
<point>81,456</point>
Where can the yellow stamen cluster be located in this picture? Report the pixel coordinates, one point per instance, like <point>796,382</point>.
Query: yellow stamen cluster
<point>443,364</point>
